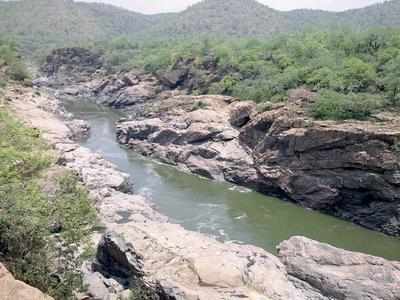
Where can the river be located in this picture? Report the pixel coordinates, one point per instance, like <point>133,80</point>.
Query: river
<point>225,211</point>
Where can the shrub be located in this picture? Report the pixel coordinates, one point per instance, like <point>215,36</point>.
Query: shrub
<point>199,105</point>
<point>28,246</point>
<point>265,106</point>
<point>18,72</point>
<point>336,106</point>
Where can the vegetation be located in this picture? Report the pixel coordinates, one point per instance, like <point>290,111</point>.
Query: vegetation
<point>355,73</point>
<point>39,25</point>
<point>12,64</point>
<point>39,232</point>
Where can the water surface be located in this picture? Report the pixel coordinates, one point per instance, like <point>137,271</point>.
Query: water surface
<point>222,210</point>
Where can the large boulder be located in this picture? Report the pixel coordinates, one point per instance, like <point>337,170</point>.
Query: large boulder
<point>12,289</point>
<point>172,78</point>
<point>340,274</point>
<point>116,258</point>
<point>240,113</point>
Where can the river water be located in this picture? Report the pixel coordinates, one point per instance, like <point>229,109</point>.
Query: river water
<point>222,210</point>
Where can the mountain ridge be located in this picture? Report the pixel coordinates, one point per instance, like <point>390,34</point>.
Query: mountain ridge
<point>38,24</point>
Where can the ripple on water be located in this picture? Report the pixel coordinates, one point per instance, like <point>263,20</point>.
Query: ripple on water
<point>240,189</point>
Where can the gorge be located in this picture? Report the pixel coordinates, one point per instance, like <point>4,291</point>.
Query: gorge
<point>229,151</point>
<point>141,249</point>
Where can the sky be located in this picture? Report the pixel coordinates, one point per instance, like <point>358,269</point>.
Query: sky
<point>158,6</point>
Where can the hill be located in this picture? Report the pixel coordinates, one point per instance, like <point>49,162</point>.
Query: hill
<point>46,24</point>
<point>224,18</point>
<point>377,15</point>
<point>57,23</point>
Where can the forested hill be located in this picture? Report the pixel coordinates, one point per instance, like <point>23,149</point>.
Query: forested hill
<point>225,18</point>
<point>40,24</point>
<point>378,15</point>
<point>45,24</point>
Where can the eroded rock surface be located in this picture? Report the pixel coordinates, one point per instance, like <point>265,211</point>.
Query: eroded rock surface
<point>195,134</point>
<point>349,169</point>
<point>340,274</point>
<point>12,289</point>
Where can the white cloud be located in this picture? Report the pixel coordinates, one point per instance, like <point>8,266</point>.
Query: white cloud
<point>156,6</point>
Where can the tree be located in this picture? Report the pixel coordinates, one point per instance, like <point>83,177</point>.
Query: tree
<point>391,81</point>
<point>358,75</point>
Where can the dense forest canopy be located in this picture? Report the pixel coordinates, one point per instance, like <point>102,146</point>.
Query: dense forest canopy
<point>355,73</point>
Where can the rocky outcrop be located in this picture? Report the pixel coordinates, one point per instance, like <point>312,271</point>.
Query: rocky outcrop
<point>339,274</point>
<point>80,73</point>
<point>76,73</point>
<point>193,133</point>
<point>348,169</point>
<point>12,289</point>
<point>69,65</point>
<point>189,75</point>
<point>125,89</point>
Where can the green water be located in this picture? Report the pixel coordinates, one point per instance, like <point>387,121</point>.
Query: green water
<point>220,209</point>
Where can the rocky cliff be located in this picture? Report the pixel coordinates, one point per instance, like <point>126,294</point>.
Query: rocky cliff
<point>348,169</point>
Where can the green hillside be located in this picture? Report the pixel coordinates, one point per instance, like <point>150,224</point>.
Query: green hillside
<point>46,24</point>
<point>224,18</point>
<point>38,24</point>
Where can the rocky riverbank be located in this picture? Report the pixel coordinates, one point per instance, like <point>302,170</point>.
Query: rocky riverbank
<point>140,249</point>
<point>350,170</point>
<point>347,169</point>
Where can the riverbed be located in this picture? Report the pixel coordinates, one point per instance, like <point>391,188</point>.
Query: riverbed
<point>225,211</point>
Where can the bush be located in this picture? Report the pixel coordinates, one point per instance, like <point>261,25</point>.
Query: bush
<point>264,70</point>
<point>263,107</point>
<point>336,106</point>
<point>199,105</point>
<point>28,246</point>
<point>18,72</point>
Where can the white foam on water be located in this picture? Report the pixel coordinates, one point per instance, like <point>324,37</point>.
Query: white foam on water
<point>240,189</point>
<point>244,216</point>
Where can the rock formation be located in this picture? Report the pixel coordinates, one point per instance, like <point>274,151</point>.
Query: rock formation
<point>12,289</point>
<point>347,169</point>
<point>340,274</point>
<point>141,250</point>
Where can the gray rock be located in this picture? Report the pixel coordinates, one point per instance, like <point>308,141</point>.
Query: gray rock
<point>79,129</point>
<point>240,113</point>
<point>116,258</point>
<point>340,274</point>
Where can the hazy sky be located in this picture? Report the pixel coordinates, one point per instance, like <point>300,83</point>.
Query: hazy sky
<point>156,6</point>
